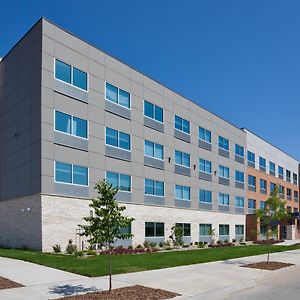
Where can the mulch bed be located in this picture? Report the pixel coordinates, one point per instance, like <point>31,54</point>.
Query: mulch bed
<point>8,284</point>
<point>136,292</point>
<point>272,265</point>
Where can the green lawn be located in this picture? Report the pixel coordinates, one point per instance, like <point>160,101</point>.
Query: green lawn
<point>97,265</point>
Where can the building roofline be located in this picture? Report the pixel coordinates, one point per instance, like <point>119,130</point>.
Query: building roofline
<point>246,129</point>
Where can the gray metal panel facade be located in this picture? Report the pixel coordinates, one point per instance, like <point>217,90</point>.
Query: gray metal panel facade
<point>204,145</point>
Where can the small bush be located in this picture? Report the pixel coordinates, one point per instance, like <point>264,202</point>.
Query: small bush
<point>241,240</point>
<point>152,244</point>
<point>78,253</point>
<point>233,240</point>
<point>91,252</point>
<point>161,244</point>
<point>71,248</point>
<point>56,248</point>
<point>201,246</point>
<point>219,242</point>
<point>205,243</point>
<point>139,246</point>
<point>130,247</point>
<point>225,241</point>
<point>146,244</point>
<point>196,243</point>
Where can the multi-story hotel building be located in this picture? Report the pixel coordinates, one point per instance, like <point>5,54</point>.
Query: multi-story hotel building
<point>72,115</point>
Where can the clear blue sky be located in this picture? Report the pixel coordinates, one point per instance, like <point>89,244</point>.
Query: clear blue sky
<point>239,59</point>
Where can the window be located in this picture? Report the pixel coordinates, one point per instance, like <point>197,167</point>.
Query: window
<point>185,228</point>
<point>223,229</point>
<point>182,192</point>
<point>154,150</point>
<point>205,229</point>
<point>205,196</point>
<point>281,190</point>
<point>239,150</point>
<point>182,158</point>
<point>153,229</point>
<point>251,181</point>
<point>204,166</point>
<point>251,203</point>
<point>153,111</point>
<point>272,186</point>
<point>251,157</point>
<point>239,202</point>
<point>70,75</point>
<point>288,175</point>
<point>223,199</point>
<point>263,185</point>
<point>116,95</point>
<point>71,125</point>
<point>280,172</point>
<point>296,195</point>
<point>204,135</point>
<point>239,176</point>
<point>182,124</point>
<point>121,182</point>
<point>223,143</point>
<point>117,139</point>
<point>153,187</point>
<point>272,168</point>
<point>295,178</point>
<point>223,171</point>
<point>289,193</point>
<point>239,229</point>
<point>262,204</point>
<point>262,162</point>
<point>71,174</point>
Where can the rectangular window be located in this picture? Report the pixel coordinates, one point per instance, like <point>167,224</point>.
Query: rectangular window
<point>205,229</point>
<point>263,184</point>
<point>251,157</point>
<point>205,166</point>
<point>281,190</point>
<point>71,125</point>
<point>122,182</point>
<point>153,229</point>
<point>154,150</point>
<point>280,172</point>
<point>239,229</point>
<point>295,178</point>
<point>204,135</point>
<point>185,227</point>
<point>153,111</point>
<point>262,162</point>
<point>296,195</point>
<point>223,143</point>
<point>155,188</point>
<point>223,199</point>
<point>239,176</point>
<point>71,174</point>
<point>182,192</point>
<point>182,158</point>
<point>272,168</point>
<point>239,150</point>
<point>288,175</point>
<point>223,229</point>
<point>70,75</point>
<point>251,181</point>
<point>289,192</point>
<point>251,203</point>
<point>205,196</point>
<point>272,186</point>
<point>182,124</point>
<point>117,95</point>
<point>223,171</point>
<point>262,204</point>
<point>117,139</point>
<point>239,202</point>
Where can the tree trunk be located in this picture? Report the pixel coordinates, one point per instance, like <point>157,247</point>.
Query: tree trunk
<point>110,269</point>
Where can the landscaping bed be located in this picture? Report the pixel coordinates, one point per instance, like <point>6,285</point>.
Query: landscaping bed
<point>8,284</point>
<point>135,292</point>
<point>271,265</point>
<point>268,242</point>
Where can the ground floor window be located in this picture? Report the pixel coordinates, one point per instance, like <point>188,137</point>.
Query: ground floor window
<point>154,229</point>
<point>239,229</point>
<point>223,229</point>
<point>185,227</point>
<point>126,229</point>
<point>205,229</point>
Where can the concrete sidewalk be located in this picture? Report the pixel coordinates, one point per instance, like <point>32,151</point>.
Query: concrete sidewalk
<point>214,280</point>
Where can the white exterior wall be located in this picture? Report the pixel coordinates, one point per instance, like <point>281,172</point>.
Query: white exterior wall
<point>262,148</point>
<point>61,216</point>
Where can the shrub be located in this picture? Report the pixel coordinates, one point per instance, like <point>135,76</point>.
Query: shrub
<point>201,245</point>
<point>71,248</point>
<point>161,244</point>
<point>56,248</point>
<point>91,252</point>
<point>205,243</point>
<point>130,247</point>
<point>185,245</point>
<point>219,242</point>
<point>139,246</point>
<point>146,244</point>
<point>152,244</point>
<point>78,253</point>
<point>167,244</point>
<point>241,239</point>
<point>196,243</point>
<point>225,241</point>
<point>233,240</point>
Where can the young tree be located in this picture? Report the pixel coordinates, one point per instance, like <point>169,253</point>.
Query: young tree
<point>107,222</point>
<point>272,214</point>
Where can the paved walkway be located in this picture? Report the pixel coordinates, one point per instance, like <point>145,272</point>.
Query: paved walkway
<point>216,280</point>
